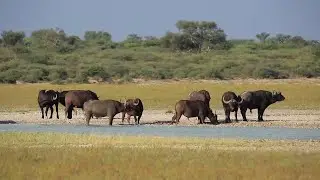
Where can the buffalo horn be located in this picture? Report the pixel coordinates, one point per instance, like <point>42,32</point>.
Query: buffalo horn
<point>225,100</point>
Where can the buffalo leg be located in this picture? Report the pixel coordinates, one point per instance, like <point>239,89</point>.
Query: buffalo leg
<point>111,120</point>
<point>135,119</point>
<point>243,113</point>
<point>88,116</point>
<point>123,116</point>
<point>42,114</point>
<point>51,112</point>
<point>47,108</point>
<point>128,118</point>
<point>176,118</point>
<point>260,113</point>
<point>68,111</point>
<point>57,111</point>
<point>236,114</point>
<point>139,118</point>
<point>227,114</point>
<point>202,118</point>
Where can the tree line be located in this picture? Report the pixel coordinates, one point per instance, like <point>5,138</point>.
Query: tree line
<point>195,37</point>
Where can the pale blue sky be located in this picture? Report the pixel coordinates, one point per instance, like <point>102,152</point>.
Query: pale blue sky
<point>239,18</point>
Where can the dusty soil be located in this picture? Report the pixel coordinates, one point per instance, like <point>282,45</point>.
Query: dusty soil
<point>272,117</point>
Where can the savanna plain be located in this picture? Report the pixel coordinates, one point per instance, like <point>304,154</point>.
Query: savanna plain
<point>69,156</point>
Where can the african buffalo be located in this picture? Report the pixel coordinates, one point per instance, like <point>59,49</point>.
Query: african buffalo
<point>194,108</point>
<point>48,98</point>
<point>133,107</point>
<point>260,100</point>
<point>102,108</point>
<point>62,96</point>
<point>230,103</point>
<point>76,98</point>
<point>202,95</point>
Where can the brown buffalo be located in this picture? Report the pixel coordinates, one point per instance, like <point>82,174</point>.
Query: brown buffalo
<point>102,108</point>
<point>62,95</point>
<point>76,99</point>
<point>202,95</point>
<point>195,108</point>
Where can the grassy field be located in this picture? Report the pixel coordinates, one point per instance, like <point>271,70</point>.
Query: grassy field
<point>300,94</point>
<point>58,156</point>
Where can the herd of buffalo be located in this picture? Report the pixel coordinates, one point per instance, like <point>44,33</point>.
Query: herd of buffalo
<point>197,105</point>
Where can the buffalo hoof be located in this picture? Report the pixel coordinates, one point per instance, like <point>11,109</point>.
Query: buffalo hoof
<point>227,121</point>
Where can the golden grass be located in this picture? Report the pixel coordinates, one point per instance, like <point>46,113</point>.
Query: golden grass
<point>66,156</point>
<point>300,94</point>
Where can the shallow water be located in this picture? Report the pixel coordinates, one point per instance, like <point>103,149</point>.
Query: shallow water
<point>173,131</point>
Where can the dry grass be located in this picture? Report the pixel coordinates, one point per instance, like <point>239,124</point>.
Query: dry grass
<point>54,156</point>
<point>300,94</point>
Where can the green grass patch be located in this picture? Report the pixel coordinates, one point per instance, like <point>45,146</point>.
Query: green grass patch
<point>300,94</point>
<point>61,156</point>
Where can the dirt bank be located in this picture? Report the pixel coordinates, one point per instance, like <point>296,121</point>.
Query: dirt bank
<point>272,117</point>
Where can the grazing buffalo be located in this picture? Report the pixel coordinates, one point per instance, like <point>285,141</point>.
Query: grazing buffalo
<point>62,99</point>
<point>230,102</point>
<point>194,108</point>
<point>202,95</point>
<point>76,99</point>
<point>133,107</point>
<point>102,108</point>
<point>260,100</point>
<point>48,98</point>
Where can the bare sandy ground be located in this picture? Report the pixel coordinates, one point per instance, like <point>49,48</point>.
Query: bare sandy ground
<point>272,117</point>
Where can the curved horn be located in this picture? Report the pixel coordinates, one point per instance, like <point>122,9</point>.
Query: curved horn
<point>240,101</point>
<point>227,102</point>
<point>136,102</point>
<point>55,97</point>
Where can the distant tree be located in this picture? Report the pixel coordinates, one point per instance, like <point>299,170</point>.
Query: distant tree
<point>195,35</point>
<point>298,40</point>
<point>282,38</point>
<point>151,41</point>
<point>97,36</point>
<point>11,38</point>
<point>133,40</point>
<point>262,36</point>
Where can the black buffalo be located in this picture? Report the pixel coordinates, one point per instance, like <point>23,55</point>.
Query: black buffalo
<point>102,108</point>
<point>133,107</point>
<point>230,102</point>
<point>48,98</point>
<point>194,108</point>
<point>202,95</point>
<point>260,100</point>
<point>76,99</point>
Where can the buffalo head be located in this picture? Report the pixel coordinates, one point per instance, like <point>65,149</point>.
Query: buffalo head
<point>131,103</point>
<point>277,96</point>
<point>233,103</point>
<point>213,117</point>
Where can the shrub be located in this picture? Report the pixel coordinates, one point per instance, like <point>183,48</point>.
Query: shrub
<point>98,71</point>
<point>10,76</point>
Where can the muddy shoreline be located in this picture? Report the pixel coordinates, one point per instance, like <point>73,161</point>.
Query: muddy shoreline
<point>272,117</point>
